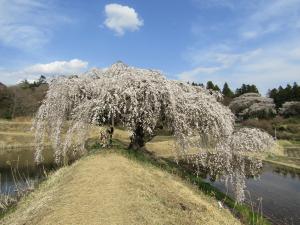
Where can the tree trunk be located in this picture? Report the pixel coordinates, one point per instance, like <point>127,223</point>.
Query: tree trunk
<point>138,139</point>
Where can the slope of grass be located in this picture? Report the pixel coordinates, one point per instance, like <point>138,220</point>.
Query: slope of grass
<point>160,146</point>
<point>287,154</point>
<point>243,212</point>
<point>114,188</point>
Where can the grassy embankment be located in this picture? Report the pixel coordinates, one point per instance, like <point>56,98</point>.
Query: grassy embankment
<point>115,187</point>
<point>47,193</point>
<point>288,155</point>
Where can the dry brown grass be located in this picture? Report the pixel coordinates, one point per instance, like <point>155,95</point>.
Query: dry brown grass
<point>14,134</point>
<point>15,140</point>
<point>112,189</point>
<point>161,148</point>
<point>161,145</point>
<point>23,119</point>
<point>122,135</point>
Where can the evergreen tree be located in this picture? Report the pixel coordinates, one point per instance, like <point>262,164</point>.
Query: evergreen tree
<point>210,85</point>
<point>296,92</point>
<point>42,80</point>
<point>227,92</point>
<point>216,88</point>
<point>252,88</point>
<point>287,94</point>
<point>246,88</point>
<point>273,93</point>
<point>196,84</point>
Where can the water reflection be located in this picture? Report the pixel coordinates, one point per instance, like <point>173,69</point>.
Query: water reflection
<point>286,171</point>
<point>277,188</point>
<point>23,158</point>
<point>19,172</point>
<point>232,168</point>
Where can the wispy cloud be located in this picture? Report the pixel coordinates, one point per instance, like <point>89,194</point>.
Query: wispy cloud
<point>230,4</point>
<point>214,62</point>
<point>28,24</point>
<point>121,18</point>
<point>254,19</point>
<point>193,74</point>
<point>222,56</point>
<point>58,67</point>
<point>55,68</point>
<point>270,17</point>
<point>266,67</point>
<point>260,47</point>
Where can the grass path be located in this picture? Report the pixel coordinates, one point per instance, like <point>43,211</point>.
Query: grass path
<point>111,189</point>
<point>16,133</point>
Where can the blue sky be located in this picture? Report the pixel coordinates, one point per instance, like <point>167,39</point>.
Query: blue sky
<point>238,41</point>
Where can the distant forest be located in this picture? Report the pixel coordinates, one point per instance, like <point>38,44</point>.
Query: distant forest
<point>25,98</point>
<point>280,95</point>
<point>22,99</point>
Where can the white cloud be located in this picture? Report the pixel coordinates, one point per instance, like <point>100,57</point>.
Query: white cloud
<point>55,68</point>
<point>121,18</point>
<point>261,48</point>
<point>266,67</point>
<point>250,34</point>
<point>270,10</point>
<point>271,16</point>
<point>24,37</point>
<point>28,24</point>
<point>218,61</point>
<point>257,18</point>
<point>221,56</point>
<point>58,67</point>
<point>193,74</point>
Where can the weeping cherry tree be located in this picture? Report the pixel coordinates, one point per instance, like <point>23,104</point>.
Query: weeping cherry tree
<point>144,101</point>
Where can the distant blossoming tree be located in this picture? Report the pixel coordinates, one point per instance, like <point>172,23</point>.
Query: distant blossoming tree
<point>142,101</point>
<point>290,109</point>
<point>253,105</point>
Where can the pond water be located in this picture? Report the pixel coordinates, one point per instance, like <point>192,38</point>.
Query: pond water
<point>278,187</point>
<point>18,170</point>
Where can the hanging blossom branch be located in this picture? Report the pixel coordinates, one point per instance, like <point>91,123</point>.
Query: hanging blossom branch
<point>142,101</point>
<point>232,162</point>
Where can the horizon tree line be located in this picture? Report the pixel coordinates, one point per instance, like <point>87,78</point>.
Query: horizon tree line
<point>16,100</point>
<point>287,94</point>
<point>227,91</point>
<point>280,94</point>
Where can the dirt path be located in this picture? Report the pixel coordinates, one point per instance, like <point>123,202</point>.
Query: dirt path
<point>111,189</point>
